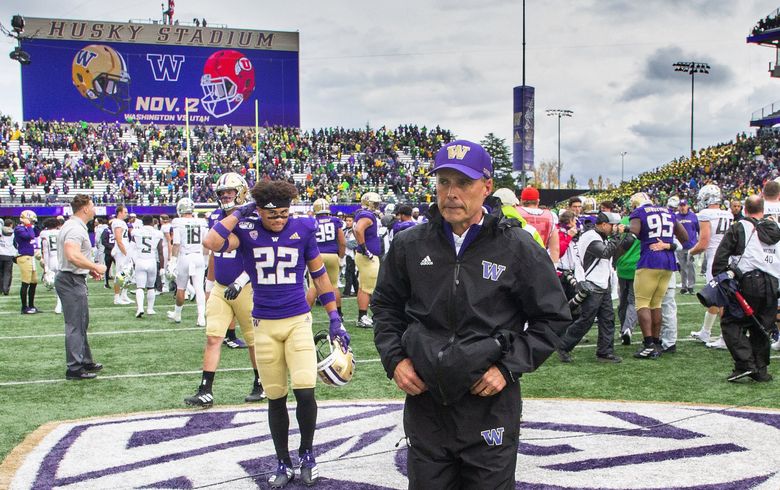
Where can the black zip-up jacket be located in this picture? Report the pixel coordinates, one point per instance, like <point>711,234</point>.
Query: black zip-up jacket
<point>454,317</point>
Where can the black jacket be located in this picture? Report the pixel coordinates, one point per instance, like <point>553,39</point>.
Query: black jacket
<point>456,316</point>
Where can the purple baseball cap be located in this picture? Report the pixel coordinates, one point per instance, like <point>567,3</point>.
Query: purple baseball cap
<point>466,157</point>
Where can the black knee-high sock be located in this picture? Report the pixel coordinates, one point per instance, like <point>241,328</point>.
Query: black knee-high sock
<point>306,413</point>
<point>23,294</point>
<point>279,423</point>
<point>31,295</point>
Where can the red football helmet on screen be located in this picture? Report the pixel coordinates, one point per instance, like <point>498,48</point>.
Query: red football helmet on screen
<point>228,80</point>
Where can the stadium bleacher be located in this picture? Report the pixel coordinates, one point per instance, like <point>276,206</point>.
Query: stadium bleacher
<point>49,162</point>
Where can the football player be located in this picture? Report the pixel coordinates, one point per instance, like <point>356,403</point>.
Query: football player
<point>332,245</point>
<point>656,227</point>
<point>121,253</point>
<point>230,297</point>
<point>713,224</point>
<point>277,251</point>
<point>149,258</point>
<point>187,260</point>
<point>369,246</point>
<point>166,228</point>
<point>49,255</point>
<point>25,235</point>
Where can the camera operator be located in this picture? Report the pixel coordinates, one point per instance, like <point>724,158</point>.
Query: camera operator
<point>593,252</point>
<point>755,241</point>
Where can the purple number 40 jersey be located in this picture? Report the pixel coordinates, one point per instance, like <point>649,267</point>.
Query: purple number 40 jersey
<point>657,224</point>
<point>276,264</point>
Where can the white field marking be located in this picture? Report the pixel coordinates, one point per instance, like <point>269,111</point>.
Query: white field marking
<point>145,375</point>
<point>114,332</point>
<point>120,332</point>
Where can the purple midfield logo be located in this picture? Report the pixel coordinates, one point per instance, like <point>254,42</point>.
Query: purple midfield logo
<point>492,271</point>
<point>564,445</point>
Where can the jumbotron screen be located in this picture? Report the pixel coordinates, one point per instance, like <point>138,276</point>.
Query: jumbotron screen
<point>102,71</point>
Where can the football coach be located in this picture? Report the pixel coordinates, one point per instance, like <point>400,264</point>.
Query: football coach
<point>71,285</point>
<point>451,306</point>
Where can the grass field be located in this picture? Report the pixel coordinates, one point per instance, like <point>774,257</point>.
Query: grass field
<point>152,364</point>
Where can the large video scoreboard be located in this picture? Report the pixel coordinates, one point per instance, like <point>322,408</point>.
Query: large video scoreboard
<point>103,71</point>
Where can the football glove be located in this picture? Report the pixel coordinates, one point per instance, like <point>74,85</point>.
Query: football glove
<point>246,210</point>
<point>170,273</point>
<point>337,330</point>
<point>365,251</point>
<point>232,291</point>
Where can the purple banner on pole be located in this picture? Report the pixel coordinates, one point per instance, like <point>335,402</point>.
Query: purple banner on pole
<point>523,128</point>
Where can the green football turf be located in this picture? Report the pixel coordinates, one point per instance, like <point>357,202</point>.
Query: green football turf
<point>33,350</point>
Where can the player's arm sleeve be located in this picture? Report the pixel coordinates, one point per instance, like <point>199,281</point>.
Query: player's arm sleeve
<point>733,243</point>
<point>543,306</point>
<point>388,304</point>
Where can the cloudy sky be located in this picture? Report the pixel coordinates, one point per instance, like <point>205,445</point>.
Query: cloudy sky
<point>454,63</point>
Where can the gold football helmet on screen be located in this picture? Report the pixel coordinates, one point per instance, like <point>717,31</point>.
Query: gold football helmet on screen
<point>100,75</point>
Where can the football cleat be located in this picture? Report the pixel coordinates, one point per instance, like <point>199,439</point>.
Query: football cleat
<point>701,335</point>
<point>365,322</point>
<point>150,312</point>
<point>202,399</point>
<point>647,352</point>
<point>626,337</point>
<point>174,317</point>
<point>257,395</point>
<point>139,313</point>
<point>717,344</point>
<point>309,472</point>
<point>738,374</point>
<point>201,321</point>
<point>284,475</point>
<point>234,343</point>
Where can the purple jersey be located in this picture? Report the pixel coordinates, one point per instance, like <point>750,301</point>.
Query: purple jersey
<point>327,234</point>
<point>24,237</point>
<point>227,265</point>
<point>373,242</point>
<point>691,224</point>
<point>657,223</point>
<point>276,264</point>
<point>400,226</point>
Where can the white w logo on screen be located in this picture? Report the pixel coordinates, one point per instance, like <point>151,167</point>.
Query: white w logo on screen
<point>165,67</point>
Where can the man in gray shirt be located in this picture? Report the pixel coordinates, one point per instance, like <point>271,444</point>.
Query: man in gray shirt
<point>71,285</point>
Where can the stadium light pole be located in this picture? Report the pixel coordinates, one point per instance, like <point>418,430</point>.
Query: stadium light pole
<point>692,68</point>
<point>622,164</point>
<point>559,113</point>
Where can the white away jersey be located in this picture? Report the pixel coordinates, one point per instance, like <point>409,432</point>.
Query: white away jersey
<point>720,221</point>
<point>49,245</point>
<point>189,233</point>
<point>146,239</point>
<point>772,210</point>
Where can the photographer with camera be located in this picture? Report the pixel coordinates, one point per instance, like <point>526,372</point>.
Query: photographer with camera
<point>593,272</point>
<point>755,241</point>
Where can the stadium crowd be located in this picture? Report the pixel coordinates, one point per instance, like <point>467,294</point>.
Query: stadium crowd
<point>147,163</point>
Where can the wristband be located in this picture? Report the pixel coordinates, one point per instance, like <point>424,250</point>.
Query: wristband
<point>326,298</point>
<point>236,214</point>
<point>318,272</point>
<point>221,230</point>
<point>241,280</point>
<point>209,286</point>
